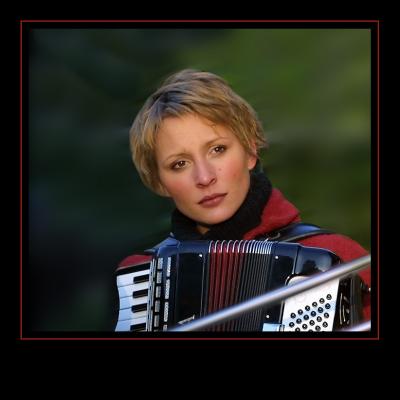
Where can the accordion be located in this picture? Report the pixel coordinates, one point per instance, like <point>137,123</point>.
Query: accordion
<point>190,279</point>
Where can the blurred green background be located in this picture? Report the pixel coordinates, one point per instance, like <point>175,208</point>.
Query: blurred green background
<point>87,207</point>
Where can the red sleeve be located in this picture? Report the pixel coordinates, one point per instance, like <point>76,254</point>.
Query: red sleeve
<point>134,259</point>
<point>347,249</point>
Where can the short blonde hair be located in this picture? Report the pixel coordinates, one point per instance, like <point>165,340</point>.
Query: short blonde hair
<point>190,92</point>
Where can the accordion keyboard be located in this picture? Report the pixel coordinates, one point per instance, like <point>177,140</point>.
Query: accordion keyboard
<point>133,290</point>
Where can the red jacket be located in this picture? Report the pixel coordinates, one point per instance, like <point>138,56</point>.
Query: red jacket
<point>278,213</point>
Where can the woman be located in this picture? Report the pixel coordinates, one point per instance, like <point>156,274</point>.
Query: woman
<point>197,141</point>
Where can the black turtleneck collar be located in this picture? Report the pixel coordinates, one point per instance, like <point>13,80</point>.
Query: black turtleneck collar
<point>247,217</point>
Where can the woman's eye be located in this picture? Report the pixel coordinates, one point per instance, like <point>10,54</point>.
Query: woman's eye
<point>219,149</point>
<point>178,165</point>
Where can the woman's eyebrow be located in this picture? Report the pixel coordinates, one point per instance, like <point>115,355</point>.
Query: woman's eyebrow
<point>175,155</point>
<point>215,140</point>
<point>185,153</point>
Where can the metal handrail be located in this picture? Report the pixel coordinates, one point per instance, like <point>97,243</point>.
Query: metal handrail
<point>274,296</point>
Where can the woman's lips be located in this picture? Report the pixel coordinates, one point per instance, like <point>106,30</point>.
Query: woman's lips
<point>213,200</point>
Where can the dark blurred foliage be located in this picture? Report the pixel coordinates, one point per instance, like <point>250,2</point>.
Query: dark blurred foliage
<point>87,206</point>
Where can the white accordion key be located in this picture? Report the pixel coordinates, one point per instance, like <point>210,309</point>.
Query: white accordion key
<point>312,310</point>
<point>133,295</point>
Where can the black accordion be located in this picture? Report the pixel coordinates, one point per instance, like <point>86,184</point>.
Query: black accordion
<point>187,280</point>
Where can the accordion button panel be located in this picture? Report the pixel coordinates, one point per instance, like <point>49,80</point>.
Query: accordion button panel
<point>312,310</point>
<point>133,295</point>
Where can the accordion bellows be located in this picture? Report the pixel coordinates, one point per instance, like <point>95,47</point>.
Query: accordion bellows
<point>187,280</point>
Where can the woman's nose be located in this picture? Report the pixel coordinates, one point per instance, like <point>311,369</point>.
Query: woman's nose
<point>204,174</point>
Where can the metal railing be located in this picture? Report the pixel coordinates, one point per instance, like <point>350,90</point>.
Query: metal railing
<point>276,296</point>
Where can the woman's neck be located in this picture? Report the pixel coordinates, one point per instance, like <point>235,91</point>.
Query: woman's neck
<point>202,229</point>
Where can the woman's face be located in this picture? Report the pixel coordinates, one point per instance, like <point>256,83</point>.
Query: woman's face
<point>203,168</point>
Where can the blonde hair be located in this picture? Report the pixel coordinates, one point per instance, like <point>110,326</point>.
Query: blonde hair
<point>190,92</point>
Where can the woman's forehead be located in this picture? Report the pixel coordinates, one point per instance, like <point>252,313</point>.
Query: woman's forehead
<point>189,128</point>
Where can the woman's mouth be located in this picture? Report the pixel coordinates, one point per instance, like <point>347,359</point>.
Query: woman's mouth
<point>213,200</point>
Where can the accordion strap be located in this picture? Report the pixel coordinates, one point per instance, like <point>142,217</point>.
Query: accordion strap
<point>169,241</point>
<point>294,232</point>
<point>290,233</point>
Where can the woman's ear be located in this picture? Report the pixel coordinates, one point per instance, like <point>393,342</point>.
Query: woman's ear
<point>252,161</point>
<point>253,157</point>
